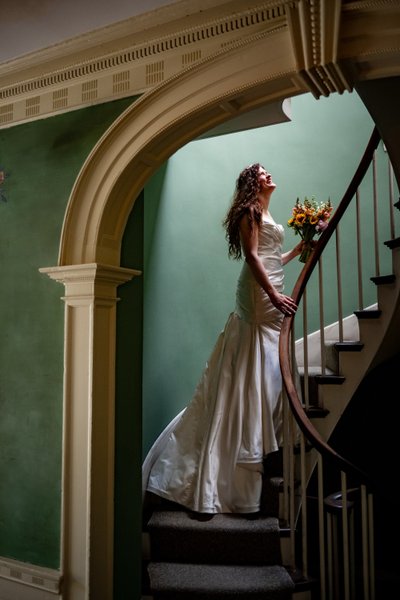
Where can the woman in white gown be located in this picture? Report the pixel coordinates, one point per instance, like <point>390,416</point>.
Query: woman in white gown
<point>213,459</point>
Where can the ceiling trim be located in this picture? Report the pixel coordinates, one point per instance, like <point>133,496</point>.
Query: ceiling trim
<point>110,64</point>
<point>134,56</point>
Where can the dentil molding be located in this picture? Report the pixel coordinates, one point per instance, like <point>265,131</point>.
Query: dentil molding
<point>127,59</point>
<point>332,42</point>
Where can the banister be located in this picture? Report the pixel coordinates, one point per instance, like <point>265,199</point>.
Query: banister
<point>309,431</point>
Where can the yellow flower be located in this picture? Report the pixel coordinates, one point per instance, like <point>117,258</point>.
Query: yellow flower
<point>300,218</point>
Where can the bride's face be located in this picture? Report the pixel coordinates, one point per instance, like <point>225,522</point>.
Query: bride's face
<point>265,180</point>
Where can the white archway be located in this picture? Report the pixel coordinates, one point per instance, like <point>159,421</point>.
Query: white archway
<point>301,55</point>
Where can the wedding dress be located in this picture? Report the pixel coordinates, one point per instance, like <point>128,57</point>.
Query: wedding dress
<point>212,461</point>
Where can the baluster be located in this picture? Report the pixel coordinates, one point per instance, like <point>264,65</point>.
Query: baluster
<point>345,536</point>
<point>371,546</point>
<point>339,285</point>
<point>391,201</point>
<point>375,202</point>
<point>365,550</point>
<point>286,465</point>
<point>292,511</point>
<point>359,253</point>
<point>321,317</point>
<point>321,528</point>
<point>330,545</point>
<point>306,398</point>
<point>303,479</point>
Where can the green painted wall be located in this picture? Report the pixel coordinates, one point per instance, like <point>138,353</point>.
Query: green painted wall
<point>189,280</point>
<point>175,233</point>
<point>128,414</point>
<point>42,160</point>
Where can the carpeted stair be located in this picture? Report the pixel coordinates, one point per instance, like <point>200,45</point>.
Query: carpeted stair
<point>223,556</point>
<point>208,582</point>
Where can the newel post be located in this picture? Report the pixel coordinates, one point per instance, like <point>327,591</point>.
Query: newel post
<point>87,528</point>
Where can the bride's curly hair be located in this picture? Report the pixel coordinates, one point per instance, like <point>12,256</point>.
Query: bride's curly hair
<point>245,201</point>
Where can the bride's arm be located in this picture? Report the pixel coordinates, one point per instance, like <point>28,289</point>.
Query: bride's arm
<point>249,239</point>
<point>287,256</point>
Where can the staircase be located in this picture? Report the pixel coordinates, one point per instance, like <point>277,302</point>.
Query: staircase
<point>346,365</point>
<point>347,362</point>
<point>227,556</point>
<point>301,545</point>
<point>336,510</point>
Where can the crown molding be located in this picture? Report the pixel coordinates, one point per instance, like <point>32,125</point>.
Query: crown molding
<point>332,42</point>
<point>128,58</point>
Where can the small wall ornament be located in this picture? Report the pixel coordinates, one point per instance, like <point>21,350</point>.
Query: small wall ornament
<point>3,177</point>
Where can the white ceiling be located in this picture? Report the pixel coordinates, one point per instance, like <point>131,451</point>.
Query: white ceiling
<point>29,25</point>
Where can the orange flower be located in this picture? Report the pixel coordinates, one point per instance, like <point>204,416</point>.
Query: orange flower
<point>308,220</point>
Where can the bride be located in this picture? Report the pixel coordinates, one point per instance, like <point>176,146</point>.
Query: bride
<point>213,460</point>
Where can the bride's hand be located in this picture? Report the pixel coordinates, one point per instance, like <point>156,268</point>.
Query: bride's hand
<point>284,303</point>
<point>298,249</point>
<point>301,245</point>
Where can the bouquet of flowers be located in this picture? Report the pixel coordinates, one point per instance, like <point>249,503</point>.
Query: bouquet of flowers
<point>309,218</point>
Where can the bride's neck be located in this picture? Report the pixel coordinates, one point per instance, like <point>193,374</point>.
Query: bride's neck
<point>264,201</point>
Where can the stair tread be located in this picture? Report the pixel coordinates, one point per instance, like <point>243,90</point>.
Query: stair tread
<point>368,313</point>
<point>316,412</point>
<point>330,379</point>
<point>395,243</point>
<point>220,522</point>
<point>315,370</point>
<point>383,279</point>
<point>180,578</point>
<point>349,346</point>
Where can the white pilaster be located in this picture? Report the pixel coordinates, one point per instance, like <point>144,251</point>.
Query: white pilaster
<point>88,427</point>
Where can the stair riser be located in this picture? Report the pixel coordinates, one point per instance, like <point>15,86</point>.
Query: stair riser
<point>296,596</point>
<point>216,548</point>
<point>185,582</point>
<point>209,596</point>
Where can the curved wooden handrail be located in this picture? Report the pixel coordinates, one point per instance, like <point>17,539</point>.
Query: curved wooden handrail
<point>300,415</point>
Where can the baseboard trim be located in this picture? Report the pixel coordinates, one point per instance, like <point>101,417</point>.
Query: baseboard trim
<point>23,581</point>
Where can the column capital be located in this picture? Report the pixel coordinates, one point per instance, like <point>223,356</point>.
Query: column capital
<point>89,273</point>
<point>91,280</point>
